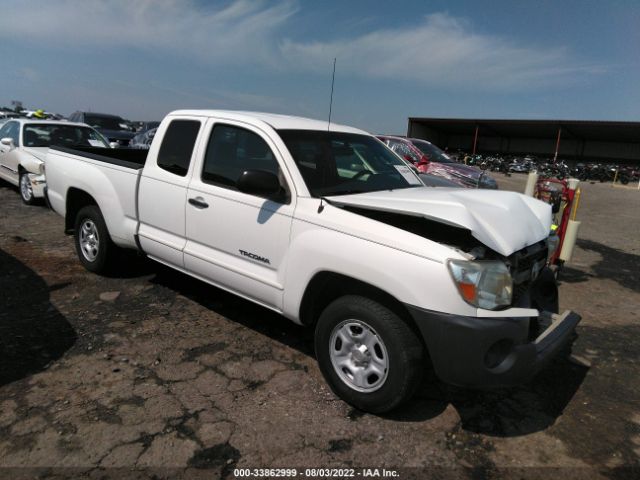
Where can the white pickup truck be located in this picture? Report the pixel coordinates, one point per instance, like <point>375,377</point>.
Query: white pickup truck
<point>327,226</point>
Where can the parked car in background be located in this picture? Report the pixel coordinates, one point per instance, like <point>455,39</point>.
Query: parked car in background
<point>430,159</point>
<point>431,180</point>
<point>23,147</point>
<point>447,167</point>
<point>145,126</point>
<point>5,115</point>
<point>115,128</point>
<point>143,139</point>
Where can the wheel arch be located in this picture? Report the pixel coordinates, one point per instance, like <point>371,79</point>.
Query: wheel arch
<point>327,286</point>
<point>76,199</point>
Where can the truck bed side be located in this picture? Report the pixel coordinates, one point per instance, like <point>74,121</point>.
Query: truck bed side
<point>108,178</point>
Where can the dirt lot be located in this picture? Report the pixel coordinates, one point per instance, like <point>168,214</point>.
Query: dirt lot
<point>154,369</point>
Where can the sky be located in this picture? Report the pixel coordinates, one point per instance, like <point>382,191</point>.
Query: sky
<point>547,59</point>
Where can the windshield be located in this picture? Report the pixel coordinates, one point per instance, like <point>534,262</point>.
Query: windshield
<point>45,135</point>
<point>107,123</point>
<point>433,152</point>
<point>334,163</point>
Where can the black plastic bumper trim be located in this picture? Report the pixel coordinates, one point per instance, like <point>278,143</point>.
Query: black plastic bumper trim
<point>458,346</point>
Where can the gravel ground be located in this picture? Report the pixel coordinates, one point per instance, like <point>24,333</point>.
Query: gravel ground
<point>154,370</point>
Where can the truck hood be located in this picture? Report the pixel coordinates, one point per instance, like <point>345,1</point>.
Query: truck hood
<point>503,221</point>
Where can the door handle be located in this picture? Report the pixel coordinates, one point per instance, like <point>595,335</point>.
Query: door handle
<point>198,202</point>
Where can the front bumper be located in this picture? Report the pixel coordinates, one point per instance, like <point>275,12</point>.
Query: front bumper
<point>38,184</point>
<point>489,352</point>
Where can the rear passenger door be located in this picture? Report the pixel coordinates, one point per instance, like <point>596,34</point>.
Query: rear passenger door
<point>163,189</point>
<point>237,240</point>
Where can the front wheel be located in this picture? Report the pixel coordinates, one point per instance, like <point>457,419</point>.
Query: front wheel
<point>26,191</point>
<point>95,249</point>
<point>369,356</point>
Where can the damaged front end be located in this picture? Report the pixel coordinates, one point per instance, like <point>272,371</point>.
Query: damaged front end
<point>507,341</point>
<point>533,285</point>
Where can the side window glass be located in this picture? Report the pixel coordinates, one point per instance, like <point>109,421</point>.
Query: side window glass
<point>4,131</point>
<point>231,151</point>
<point>14,132</point>
<point>177,146</point>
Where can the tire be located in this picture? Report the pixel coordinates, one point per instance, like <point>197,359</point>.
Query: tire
<point>394,350</point>
<point>624,179</point>
<point>94,247</point>
<point>26,192</point>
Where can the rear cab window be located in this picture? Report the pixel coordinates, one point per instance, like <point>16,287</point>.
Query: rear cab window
<point>177,146</point>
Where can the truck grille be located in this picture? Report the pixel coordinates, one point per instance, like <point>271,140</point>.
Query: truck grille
<point>525,265</point>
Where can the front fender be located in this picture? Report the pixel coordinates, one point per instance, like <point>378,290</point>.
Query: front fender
<point>31,164</point>
<point>409,278</point>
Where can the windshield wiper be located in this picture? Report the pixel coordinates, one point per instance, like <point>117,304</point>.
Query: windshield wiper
<point>344,192</point>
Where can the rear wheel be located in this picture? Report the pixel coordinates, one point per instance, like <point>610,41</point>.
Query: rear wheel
<point>95,249</point>
<point>26,192</point>
<point>369,356</point>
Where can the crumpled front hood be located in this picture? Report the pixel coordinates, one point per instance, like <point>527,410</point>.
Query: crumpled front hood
<point>503,221</point>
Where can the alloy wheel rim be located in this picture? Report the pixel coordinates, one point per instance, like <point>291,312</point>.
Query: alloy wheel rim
<point>89,240</point>
<point>358,355</point>
<point>25,187</point>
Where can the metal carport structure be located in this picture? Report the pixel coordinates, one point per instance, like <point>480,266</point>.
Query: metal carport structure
<point>588,140</point>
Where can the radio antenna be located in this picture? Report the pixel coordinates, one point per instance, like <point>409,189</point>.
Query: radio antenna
<point>333,79</point>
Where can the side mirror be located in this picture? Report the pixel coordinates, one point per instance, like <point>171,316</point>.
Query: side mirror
<point>260,183</point>
<point>7,141</point>
<point>114,144</point>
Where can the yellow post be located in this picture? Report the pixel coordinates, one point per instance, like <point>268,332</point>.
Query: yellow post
<point>576,202</point>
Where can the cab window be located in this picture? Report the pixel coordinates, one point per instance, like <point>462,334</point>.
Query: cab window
<point>177,146</point>
<point>231,151</point>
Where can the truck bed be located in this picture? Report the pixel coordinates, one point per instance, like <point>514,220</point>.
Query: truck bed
<point>123,157</point>
<point>109,176</point>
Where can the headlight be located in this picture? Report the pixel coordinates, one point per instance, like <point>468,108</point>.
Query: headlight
<point>484,284</point>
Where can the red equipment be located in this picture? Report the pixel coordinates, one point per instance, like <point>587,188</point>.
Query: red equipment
<point>564,202</point>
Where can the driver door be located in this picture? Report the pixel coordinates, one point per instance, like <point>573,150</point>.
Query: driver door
<point>237,240</point>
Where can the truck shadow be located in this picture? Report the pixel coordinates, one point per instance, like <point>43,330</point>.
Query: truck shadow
<point>614,264</point>
<point>501,412</point>
<point>32,332</point>
<point>236,309</point>
<point>521,410</point>
<point>509,412</point>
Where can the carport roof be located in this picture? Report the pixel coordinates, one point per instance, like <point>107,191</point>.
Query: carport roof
<point>609,131</point>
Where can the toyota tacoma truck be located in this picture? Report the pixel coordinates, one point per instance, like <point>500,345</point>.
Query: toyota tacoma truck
<point>327,226</point>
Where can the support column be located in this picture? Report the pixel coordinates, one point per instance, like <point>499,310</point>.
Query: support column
<point>475,140</point>
<point>555,155</point>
